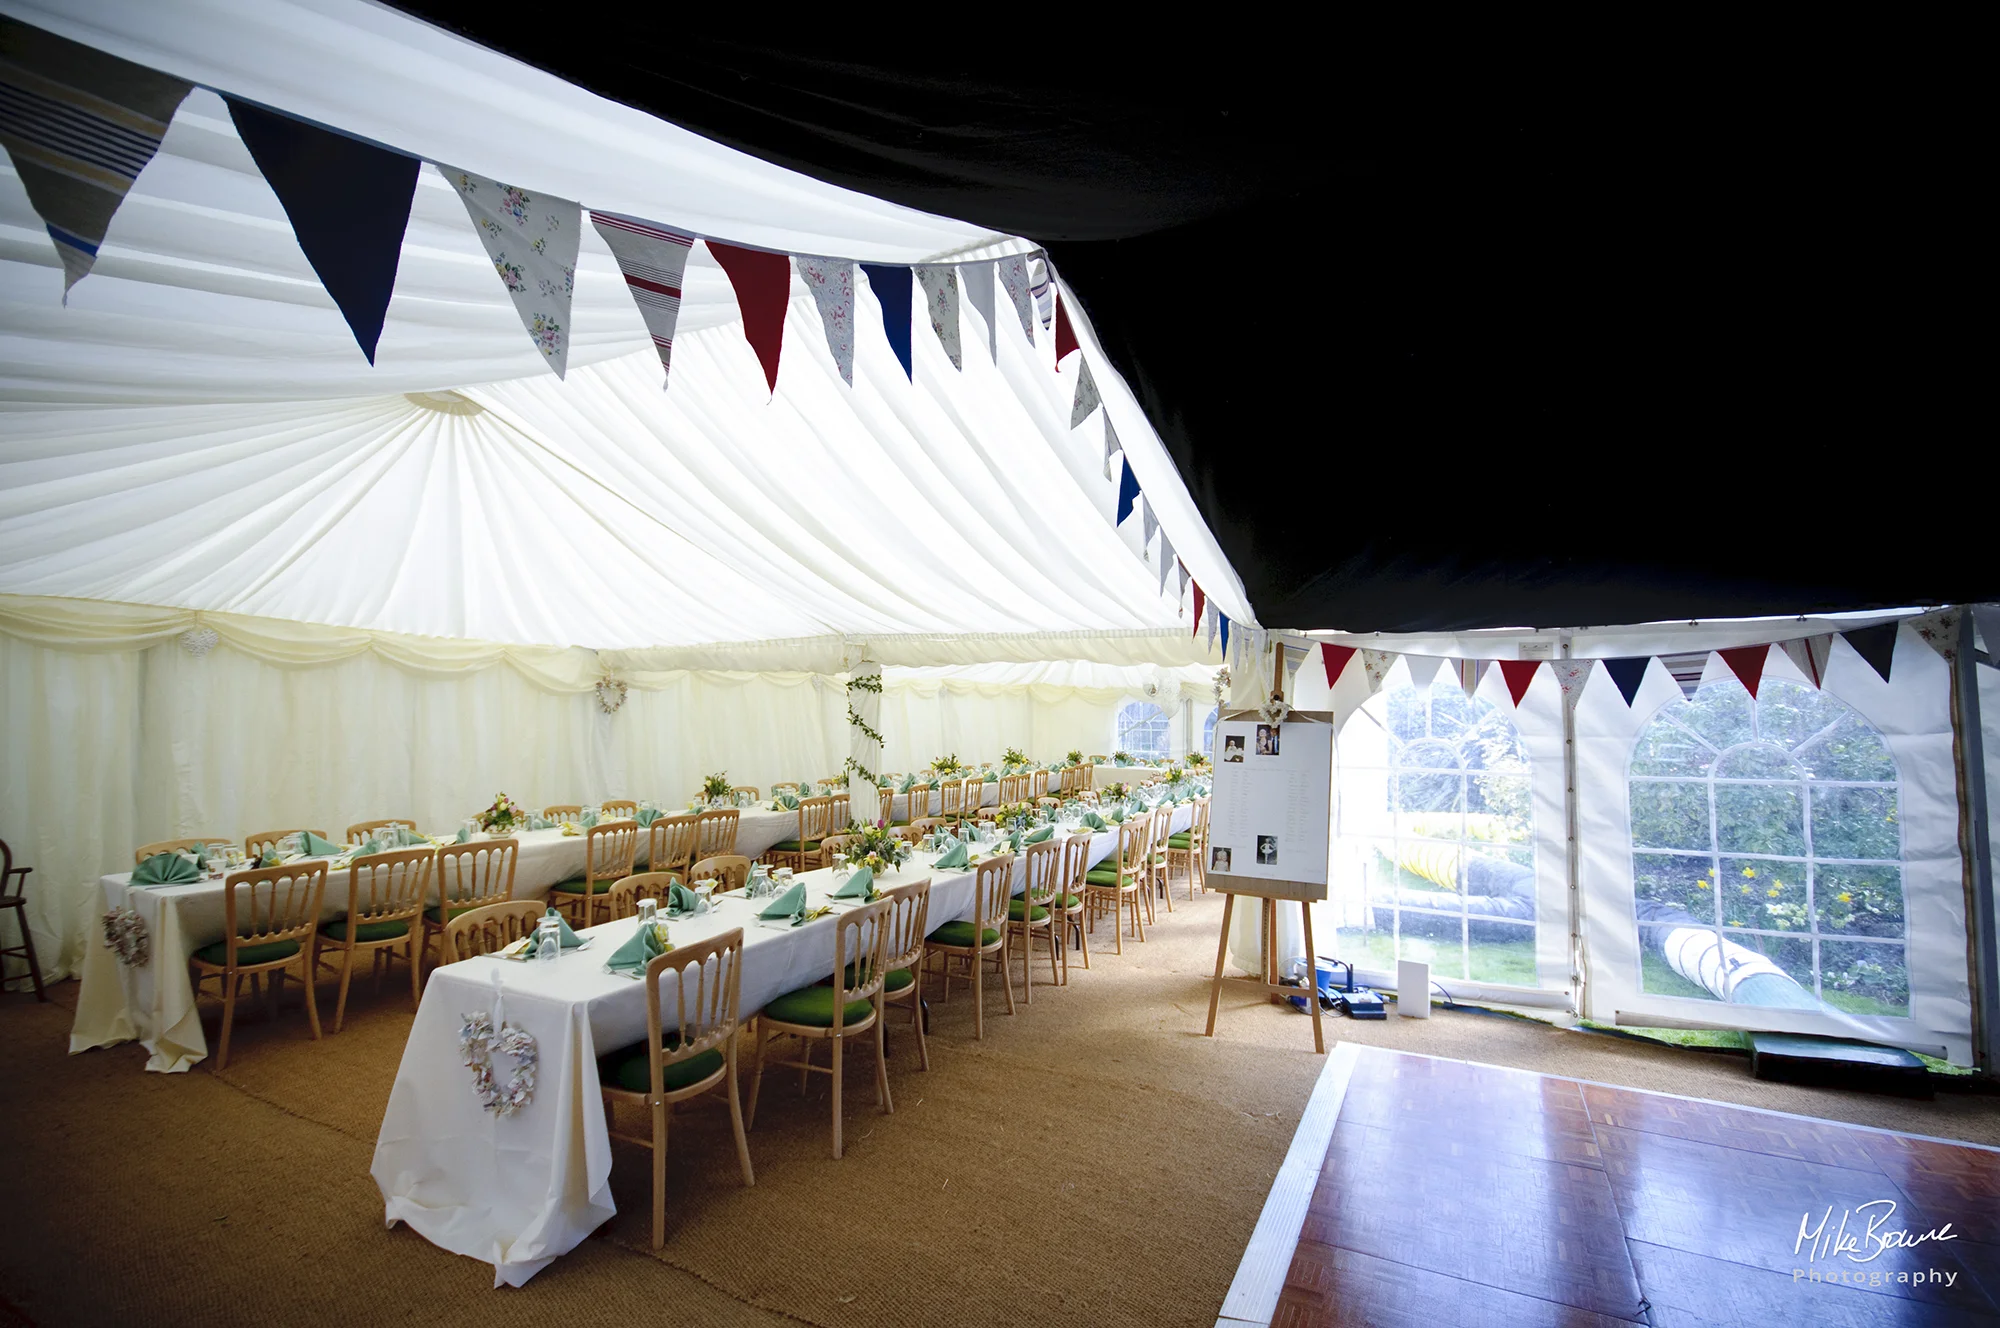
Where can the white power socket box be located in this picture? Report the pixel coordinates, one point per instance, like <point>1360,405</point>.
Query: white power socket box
<point>1413,989</point>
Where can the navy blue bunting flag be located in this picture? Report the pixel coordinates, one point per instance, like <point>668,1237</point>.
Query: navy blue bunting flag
<point>892,288</point>
<point>1877,645</point>
<point>1128,491</point>
<point>1628,674</point>
<point>348,202</point>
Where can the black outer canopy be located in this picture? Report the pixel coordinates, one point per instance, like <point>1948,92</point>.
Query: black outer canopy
<point>1456,351</point>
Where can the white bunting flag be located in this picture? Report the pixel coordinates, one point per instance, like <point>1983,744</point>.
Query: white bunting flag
<point>941,301</point>
<point>1181,575</point>
<point>1112,447</point>
<point>831,281</point>
<point>532,241</point>
<point>1086,399</point>
<point>1152,522</point>
<point>654,260</point>
<point>1209,614</point>
<point>976,280</point>
<point>1423,670</point>
<point>1167,560</point>
<point>1013,274</point>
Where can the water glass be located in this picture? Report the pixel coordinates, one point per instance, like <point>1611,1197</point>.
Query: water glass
<point>842,869</point>
<point>548,939</point>
<point>648,911</point>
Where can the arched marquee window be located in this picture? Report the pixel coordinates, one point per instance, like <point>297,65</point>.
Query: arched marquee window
<point>1437,829</point>
<point>1208,732</point>
<point>1767,856</point>
<point>1142,730</point>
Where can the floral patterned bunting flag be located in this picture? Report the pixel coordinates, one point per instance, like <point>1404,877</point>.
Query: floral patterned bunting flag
<point>79,126</point>
<point>941,300</point>
<point>532,241</point>
<point>1013,274</point>
<point>654,260</point>
<point>1086,399</point>
<point>1571,675</point>
<point>1376,664</point>
<point>831,281</point>
<point>1112,447</point>
<point>1939,631</point>
<point>976,280</point>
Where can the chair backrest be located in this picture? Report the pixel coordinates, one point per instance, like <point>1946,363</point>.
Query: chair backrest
<point>479,872</point>
<point>839,818</point>
<point>618,807</point>
<point>909,923</point>
<point>1076,862</point>
<point>860,944</point>
<point>787,787</point>
<point>731,869</point>
<point>1044,868</point>
<point>1088,797</point>
<point>925,825</point>
<point>1163,824</point>
<point>257,845</point>
<point>624,897</point>
<point>815,819</point>
<point>951,797</point>
<point>1038,784</point>
<point>1013,788</point>
<point>8,871</point>
<point>835,844</point>
<point>1135,840</point>
<point>266,904</point>
<point>716,834</point>
<point>1086,775</point>
<point>492,927</point>
<point>145,851</point>
<point>609,849</point>
<point>975,798</point>
<point>707,982</point>
<point>360,830</point>
<point>992,887</point>
<point>562,811</point>
<point>671,842</point>
<point>1199,828</point>
<point>388,887</point>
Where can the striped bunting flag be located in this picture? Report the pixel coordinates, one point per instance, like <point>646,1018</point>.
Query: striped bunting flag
<point>654,260</point>
<point>79,125</point>
<point>1686,668</point>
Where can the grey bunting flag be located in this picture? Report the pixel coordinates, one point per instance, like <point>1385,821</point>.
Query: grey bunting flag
<point>1086,399</point>
<point>976,280</point>
<point>1112,447</point>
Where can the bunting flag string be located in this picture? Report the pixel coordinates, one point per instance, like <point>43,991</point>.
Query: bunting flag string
<point>1198,598</point>
<point>1518,673</point>
<point>1065,334</point>
<point>533,243</point>
<point>831,281</point>
<point>977,281</point>
<point>940,285</point>
<point>1013,274</point>
<point>1335,657</point>
<point>654,261</point>
<point>79,126</point>
<point>1628,673</point>
<point>356,246</point>
<point>892,286</point>
<point>1086,399</point>
<point>1810,654</point>
<point>763,283</point>
<point>1747,663</point>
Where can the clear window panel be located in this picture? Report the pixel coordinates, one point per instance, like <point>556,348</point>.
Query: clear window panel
<point>1670,814</point>
<point>1500,952</point>
<point>1859,900</point>
<point>1664,951</point>
<point>1764,895</point>
<point>1761,818</point>
<point>1853,822</point>
<point>1669,881</point>
<point>1863,977</point>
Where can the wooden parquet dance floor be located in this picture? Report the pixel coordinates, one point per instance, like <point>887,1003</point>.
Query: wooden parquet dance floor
<point>1454,1193</point>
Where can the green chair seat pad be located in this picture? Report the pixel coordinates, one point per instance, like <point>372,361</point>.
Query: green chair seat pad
<point>896,980</point>
<point>268,953</point>
<point>1103,876</point>
<point>574,886</point>
<point>960,934</point>
<point>436,911</point>
<point>629,1069</point>
<point>813,1007</point>
<point>1016,908</point>
<point>1185,839</point>
<point>793,846</point>
<point>366,931</point>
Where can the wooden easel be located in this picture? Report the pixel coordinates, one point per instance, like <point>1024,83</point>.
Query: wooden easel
<point>1275,990</point>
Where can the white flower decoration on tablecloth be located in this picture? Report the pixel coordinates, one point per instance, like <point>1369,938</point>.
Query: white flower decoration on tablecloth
<point>478,1044</point>
<point>125,932</point>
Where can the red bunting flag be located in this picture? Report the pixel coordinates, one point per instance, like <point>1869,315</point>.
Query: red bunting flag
<point>1198,598</point>
<point>1335,658</point>
<point>1518,673</point>
<point>763,282</point>
<point>1747,663</point>
<point>1065,334</point>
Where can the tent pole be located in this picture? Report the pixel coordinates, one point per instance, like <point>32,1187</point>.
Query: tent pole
<point>1579,965</point>
<point>1982,934</point>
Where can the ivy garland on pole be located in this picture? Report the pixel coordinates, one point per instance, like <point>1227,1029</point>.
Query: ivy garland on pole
<point>863,682</point>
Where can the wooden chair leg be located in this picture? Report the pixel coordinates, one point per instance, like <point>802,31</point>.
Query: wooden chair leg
<point>757,1037</point>
<point>882,1096</point>
<point>346,976</point>
<point>1008,984</point>
<point>659,1173</point>
<point>979,997</point>
<point>1138,923</point>
<point>416,968</point>
<point>1027,963</point>
<point>231,983</point>
<point>310,981</point>
<point>836,1094</point>
<point>917,1022</point>
<point>1053,978</point>
<point>736,1116</point>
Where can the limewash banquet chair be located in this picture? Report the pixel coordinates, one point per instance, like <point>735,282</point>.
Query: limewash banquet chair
<point>257,845</point>
<point>268,915</point>
<point>1031,912</point>
<point>470,876</point>
<point>562,811</point>
<point>848,1008</point>
<point>671,842</point>
<point>145,851</point>
<point>907,918</point>
<point>622,899</point>
<point>608,851</point>
<point>728,870</point>
<point>980,941</point>
<point>696,1054</point>
<point>358,832</point>
<point>385,905</point>
<point>715,834</point>
<point>1069,905</point>
<point>815,823</point>
<point>1189,847</point>
<point>622,808</point>
<point>1112,886</point>
<point>489,928</point>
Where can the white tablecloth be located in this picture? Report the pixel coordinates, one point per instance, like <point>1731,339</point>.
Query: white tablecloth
<point>518,1191</point>
<point>155,1002</point>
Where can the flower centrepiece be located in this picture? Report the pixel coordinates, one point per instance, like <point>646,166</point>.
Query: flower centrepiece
<point>877,847</point>
<point>502,816</point>
<point>716,786</point>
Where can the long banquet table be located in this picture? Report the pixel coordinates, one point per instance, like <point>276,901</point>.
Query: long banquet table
<point>154,1002</point>
<point>517,1191</point>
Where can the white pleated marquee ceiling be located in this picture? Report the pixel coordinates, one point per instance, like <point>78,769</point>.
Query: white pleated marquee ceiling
<point>198,430</point>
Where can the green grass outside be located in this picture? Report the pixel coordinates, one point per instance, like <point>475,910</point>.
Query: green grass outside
<point>1509,962</point>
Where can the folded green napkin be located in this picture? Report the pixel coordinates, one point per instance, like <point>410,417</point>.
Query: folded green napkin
<point>909,782</point>
<point>788,800</point>
<point>570,940</point>
<point>787,905</point>
<point>955,856</point>
<point>858,886</point>
<point>1116,815</point>
<point>166,869</point>
<point>646,816</point>
<point>681,902</point>
<point>937,783</point>
<point>540,823</point>
<point>408,838</point>
<point>1094,821</point>
<point>1040,836</point>
<point>462,837</point>
<point>991,778</point>
<point>312,846</point>
<point>272,859</point>
<point>587,820</point>
<point>632,957</point>
<point>1122,761</point>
